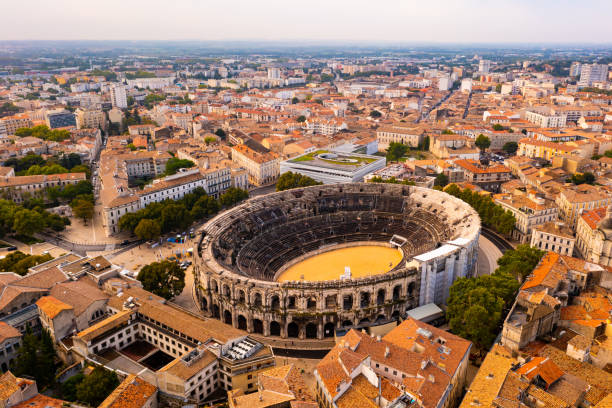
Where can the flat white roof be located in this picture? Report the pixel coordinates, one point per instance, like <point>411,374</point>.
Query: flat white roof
<point>459,241</point>
<point>438,252</point>
<point>428,311</point>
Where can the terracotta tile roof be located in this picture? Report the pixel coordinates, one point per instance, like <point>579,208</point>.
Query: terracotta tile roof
<point>541,273</point>
<point>490,377</point>
<point>593,217</point>
<point>8,332</point>
<point>133,392</point>
<point>52,306</point>
<point>41,401</point>
<point>181,370</point>
<point>542,367</point>
<point>115,320</point>
<point>78,294</point>
<point>8,385</point>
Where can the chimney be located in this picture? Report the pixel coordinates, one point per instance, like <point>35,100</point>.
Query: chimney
<point>387,352</point>
<point>378,338</point>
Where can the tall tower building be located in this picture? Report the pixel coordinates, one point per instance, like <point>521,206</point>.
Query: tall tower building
<point>274,73</point>
<point>593,73</point>
<point>484,66</point>
<point>119,97</point>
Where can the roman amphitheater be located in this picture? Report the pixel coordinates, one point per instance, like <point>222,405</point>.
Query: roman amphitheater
<point>304,262</point>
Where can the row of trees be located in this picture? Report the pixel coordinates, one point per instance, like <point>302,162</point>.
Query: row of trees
<point>492,215</point>
<point>171,215</point>
<point>66,161</point>
<point>291,180</point>
<point>19,262</point>
<point>43,132</point>
<point>477,306</point>
<point>16,219</point>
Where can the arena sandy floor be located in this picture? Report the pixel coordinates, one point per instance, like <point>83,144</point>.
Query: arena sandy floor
<point>364,260</point>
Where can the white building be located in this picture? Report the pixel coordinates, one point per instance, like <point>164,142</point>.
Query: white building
<point>484,66</point>
<point>555,237</point>
<point>274,73</point>
<point>442,266</point>
<point>592,73</point>
<point>118,97</point>
<point>545,117</point>
<point>466,85</point>
<point>333,167</point>
<point>444,83</point>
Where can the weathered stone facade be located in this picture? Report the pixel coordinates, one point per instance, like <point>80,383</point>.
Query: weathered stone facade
<point>242,250</point>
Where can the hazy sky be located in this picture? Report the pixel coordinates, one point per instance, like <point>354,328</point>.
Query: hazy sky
<point>320,20</point>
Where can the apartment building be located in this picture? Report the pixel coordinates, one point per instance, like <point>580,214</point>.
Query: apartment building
<point>398,134</point>
<point>20,188</point>
<point>488,177</point>
<point>554,237</point>
<point>118,96</point>
<point>133,392</point>
<point>415,364</point>
<point>453,147</point>
<point>533,148</point>
<point>10,124</point>
<point>60,118</point>
<point>545,117</point>
<point>200,356</point>
<point>594,236</point>
<point>145,163</point>
<point>326,127</point>
<point>262,167</point>
<point>530,212</point>
<point>90,119</point>
<point>591,73</point>
<point>10,341</point>
<point>574,200</point>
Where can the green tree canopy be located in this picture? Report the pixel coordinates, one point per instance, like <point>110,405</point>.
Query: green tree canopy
<point>583,178</point>
<point>27,222</point>
<point>441,180</point>
<point>520,262</point>
<point>482,142</point>
<point>148,229</point>
<point>291,180</point>
<point>83,209</point>
<point>97,386</point>
<point>510,147</point>
<point>301,119</point>
<point>233,196</point>
<point>174,164</point>
<point>165,278</point>
<point>396,151</point>
<point>36,358</point>
<point>375,114</point>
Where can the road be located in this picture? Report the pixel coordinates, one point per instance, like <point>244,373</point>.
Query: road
<point>498,241</point>
<point>488,254</point>
<point>440,102</point>
<point>467,105</point>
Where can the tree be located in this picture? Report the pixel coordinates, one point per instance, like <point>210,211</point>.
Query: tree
<point>233,196</point>
<point>209,139</point>
<point>375,114</point>
<point>83,209</point>
<point>36,358</point>
<point>68,388</point>
<point>520,262</point>
<point>290,180</point>
<point>221,133</point>
<point>482,142</point>
<point>301,119</point>
<point>165,278</point>
<point>97,386</point>
<point>498,88</point>
<point>395,151</point>
<point>441,180</point>
<point>175,216</point>
<point>27,222</point>
<point>295,100</point>
<point>510,147</point>
<point>174,164</point>
<point>148,229</point>
<point>498,127</point>
<point>583,178</point>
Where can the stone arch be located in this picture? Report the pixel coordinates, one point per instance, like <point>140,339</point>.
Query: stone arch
<point>380,318</point>
<point>275,328</point>
<point>311,303</point>
<point>227,317</point>
<point>380,297</point>
<point>293,330</point>
<point>216,313</point>
<point>347,323</point>
<point>397,292</point>
<point>331,302</point>
<point>257,302</point>
<point>291,302</point>
<point>241,296</point>
<point>395,315</point>
<point>364,299</point>
<point>365,320</point>
<point>226,290</point>
<point>242,322</point>
<point>411,286</point>
<point>275,303</point>
<point>329,330</point>
<point>311,331</point>
<point>347,302</point>
<point>214,286</point>
<point>257,326</point>
<point>204,304</point>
